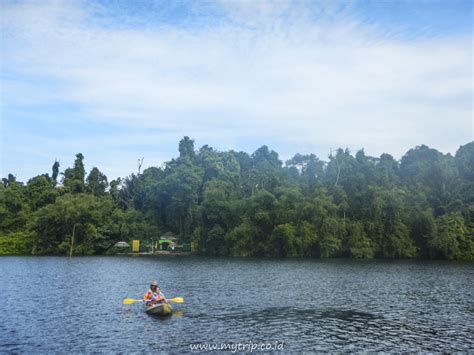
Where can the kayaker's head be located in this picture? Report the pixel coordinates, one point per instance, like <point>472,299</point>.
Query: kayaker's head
<point>154,285</point>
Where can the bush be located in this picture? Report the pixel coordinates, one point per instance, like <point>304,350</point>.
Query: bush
<point>16,243</point>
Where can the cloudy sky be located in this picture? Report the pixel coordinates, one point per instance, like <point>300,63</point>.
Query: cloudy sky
<point>119,80</point>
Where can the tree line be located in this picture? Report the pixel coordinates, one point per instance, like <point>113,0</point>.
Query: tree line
<point>233,203</point>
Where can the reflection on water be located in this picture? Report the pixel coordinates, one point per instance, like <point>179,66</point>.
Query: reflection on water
<point>128,313</point>
<point>291,314</point>
<point>335,305</point>
<point>349,315</point>
<point>178,313</point>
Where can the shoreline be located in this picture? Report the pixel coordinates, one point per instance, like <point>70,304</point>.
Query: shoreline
<point>157,253</point>
<point>196,255</point>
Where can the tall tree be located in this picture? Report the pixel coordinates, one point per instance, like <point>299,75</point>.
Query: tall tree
<point>55,169</point>
<point>74,177</point>
<point>96,182</point>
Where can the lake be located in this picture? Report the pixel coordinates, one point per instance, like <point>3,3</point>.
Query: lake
<point>59,304</point>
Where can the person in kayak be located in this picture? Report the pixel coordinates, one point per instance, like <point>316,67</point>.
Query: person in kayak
<point>154,294</point>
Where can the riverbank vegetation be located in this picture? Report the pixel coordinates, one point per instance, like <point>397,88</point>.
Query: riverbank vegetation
<point>233,203</point>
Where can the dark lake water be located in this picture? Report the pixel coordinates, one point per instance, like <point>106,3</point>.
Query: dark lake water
<point>60,304</point>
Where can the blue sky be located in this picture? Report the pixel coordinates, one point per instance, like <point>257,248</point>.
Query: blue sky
<point>120,80</point>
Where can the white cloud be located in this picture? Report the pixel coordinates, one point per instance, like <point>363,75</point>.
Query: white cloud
<point>313,79</point>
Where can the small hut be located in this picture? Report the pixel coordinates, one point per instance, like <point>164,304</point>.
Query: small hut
<point>167,241</point>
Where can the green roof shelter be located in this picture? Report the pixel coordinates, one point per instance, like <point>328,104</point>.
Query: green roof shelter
<point>166,240</point>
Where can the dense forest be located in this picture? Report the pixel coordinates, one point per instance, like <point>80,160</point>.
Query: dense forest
<point>233,203</point>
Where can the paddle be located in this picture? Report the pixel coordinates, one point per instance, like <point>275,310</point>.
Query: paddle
<point>176,299</point>
<point>131,300</point>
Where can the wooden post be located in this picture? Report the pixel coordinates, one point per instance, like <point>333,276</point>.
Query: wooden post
<point>72,239</point>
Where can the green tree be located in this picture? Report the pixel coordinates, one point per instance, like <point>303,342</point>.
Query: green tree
<point>284,242</point>
<point>74,177</point>
<point>55,169</point>
<point>450,239</point>
<point>186,148</point>
<point>96,182</point>
<point>74,221</point>
<point>40,191</point>
<point>14,207</point>
<point>309,167</point>
<point>357,242</point>
<point>179,191</point>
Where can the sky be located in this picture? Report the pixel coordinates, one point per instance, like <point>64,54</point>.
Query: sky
<point>119,80</point>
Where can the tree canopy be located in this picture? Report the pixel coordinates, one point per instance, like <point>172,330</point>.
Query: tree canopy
<point>240,204</point>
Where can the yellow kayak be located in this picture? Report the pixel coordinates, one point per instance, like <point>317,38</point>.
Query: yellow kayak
<point>159,309</point>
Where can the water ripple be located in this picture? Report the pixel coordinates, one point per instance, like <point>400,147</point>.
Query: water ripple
<point>58,304</point>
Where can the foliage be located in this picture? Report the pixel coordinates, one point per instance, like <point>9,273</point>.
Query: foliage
<point>15,243</point>
<point>233,203</point>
